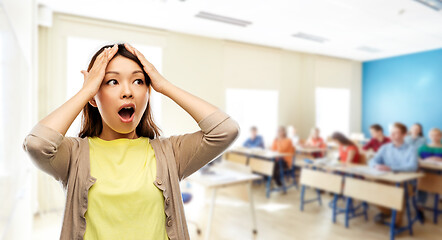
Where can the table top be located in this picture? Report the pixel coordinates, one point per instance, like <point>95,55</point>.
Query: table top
<point>257,152</point>
<point>431,165</point>
<point>220,176</point>
<point>303,149</point>
<point>363,170</point>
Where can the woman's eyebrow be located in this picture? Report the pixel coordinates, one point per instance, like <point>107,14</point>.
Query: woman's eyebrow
<point>136,71</point>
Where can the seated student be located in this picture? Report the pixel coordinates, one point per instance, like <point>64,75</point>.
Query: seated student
<point>282,144</point>
<point>395,156</point>
<point>292,134</point>
<point>255,140</point>
<point>377,138</point>
<point>433,152</point>
<point>348,151</point>
<point>416,137</point>
<point>315,141</point>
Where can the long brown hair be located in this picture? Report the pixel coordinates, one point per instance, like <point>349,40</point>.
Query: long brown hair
<point>92,125</point>
<point>341,138</point>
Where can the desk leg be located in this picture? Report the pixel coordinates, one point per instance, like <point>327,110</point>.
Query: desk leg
<point>436,208</point>
<point>407,208</point>
<point>392,227</point>
<point>212,206</point>
<point>252,210</point>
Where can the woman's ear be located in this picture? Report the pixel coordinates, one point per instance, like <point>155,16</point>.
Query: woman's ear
<point>92,102</point>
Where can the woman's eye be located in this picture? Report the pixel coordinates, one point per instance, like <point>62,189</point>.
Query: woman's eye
<point>139,81</point>
<point>112,82</point>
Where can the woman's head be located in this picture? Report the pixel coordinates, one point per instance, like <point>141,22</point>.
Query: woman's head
<point>416,130</point>
<point>282,132</point>
<point>435,135</point>
<point>122,102</point>
<point>341,139</point>
<point>314,133</point>
<point>376,131</point>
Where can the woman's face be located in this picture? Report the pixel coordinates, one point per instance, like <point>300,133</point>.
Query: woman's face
<point>415,130</point>
<point>315,133</point>
<point>123,95</point>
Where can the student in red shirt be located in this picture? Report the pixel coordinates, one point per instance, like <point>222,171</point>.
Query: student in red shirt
<point>377,138</point>
<point>315,141</point>
<point>348,151</point>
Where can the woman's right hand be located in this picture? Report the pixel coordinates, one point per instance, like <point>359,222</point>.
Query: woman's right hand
<point>94,78</point>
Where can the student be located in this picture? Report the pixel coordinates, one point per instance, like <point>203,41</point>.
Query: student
<point>292,134</point>
<point>282,144</point>
<point>122,180</point>
<point>315,141</point>
<point>255,140</point>
<point>416,137</point>
<point>377,138</point>
<point>397,156</point>
<point>430,152</point>
<point>348,151</point>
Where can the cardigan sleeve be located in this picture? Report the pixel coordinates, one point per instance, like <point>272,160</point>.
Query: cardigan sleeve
<point>50,151</point>
<point>194,150</point>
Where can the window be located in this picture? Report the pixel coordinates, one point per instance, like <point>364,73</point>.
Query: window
<point>333,110</point>
<point>250,107</point>
<point>79,60</point>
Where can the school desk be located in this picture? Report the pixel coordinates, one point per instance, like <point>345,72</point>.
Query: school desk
<point>432,183</point>
<point>224,175</point>
<point>373,192</point>
<point>262,161</point>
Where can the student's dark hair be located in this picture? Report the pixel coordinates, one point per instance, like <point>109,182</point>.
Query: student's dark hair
<point>341,138</point>
<point>421,133</point>
<point>254,128</point>
<point>401,127</point>
<point>92,124</point>
<point>377,127</point>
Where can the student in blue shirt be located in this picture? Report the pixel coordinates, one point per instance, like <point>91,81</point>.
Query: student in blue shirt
<point>397,156</point>
<point>255,140</point>
<point>416,137</point>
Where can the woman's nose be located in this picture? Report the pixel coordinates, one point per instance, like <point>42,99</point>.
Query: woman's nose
<point>126,92</point>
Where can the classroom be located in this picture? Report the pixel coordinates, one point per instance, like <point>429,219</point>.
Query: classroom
<point>220,120</point>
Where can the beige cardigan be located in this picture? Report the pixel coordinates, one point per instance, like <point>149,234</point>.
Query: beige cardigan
<point>67,160</point>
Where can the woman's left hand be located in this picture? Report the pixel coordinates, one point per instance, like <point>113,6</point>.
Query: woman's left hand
<point>157,80</point>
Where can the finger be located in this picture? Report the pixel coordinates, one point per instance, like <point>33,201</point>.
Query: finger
<point>85,73</point>
<point>129,48</point>
<point>113,51</point>
<point>144,61</point>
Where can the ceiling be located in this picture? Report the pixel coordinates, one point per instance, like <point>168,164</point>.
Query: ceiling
<point>361,30</point>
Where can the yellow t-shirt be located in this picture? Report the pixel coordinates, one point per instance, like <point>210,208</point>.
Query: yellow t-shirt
<point>124,203</point>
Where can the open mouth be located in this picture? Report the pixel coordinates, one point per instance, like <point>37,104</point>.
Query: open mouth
<point>126,114</point>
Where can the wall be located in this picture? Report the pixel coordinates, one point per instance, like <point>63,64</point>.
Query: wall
<point>406,88</point>
<point>207,66</point>
<point>18,32</point>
